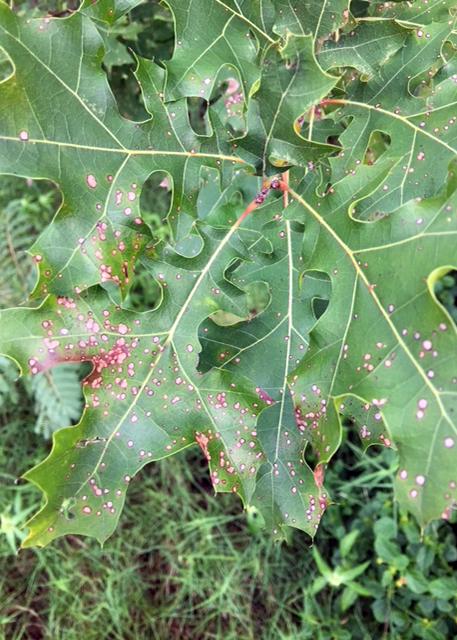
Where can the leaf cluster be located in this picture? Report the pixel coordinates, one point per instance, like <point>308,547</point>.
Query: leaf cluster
<point>311,214</point>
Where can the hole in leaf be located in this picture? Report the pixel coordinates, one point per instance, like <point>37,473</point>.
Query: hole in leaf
<point>424,84</point>
<point>226,102</point>
<point>148,31</point>
<point>197,109</point>
<point>378,144</point>
<point>318,288</point>
<point>145,292</point>
<point>359,8</point>
<point>310,457</point>
<point>347,421</point>
<point>335,141</point>
<point>445,289</point>
<point>127,92</point>
<point>155,202</point>
<point>66,509</point>
<point>319,307</point>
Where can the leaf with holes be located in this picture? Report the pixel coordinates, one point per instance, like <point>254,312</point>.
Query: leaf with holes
<point>267,350</point>
<point>289,304</point>
<point>384,346</point>
<point>99,159</point>
<point>380,353</point>
<point>291,84</point>
<point>408,97</point>
<point>144,397</point>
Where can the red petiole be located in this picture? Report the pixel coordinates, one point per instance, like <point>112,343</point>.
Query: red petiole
<point>274,184</point>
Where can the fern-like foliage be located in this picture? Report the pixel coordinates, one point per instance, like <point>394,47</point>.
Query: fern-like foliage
<point>54,396</point>
<point>9,395</point>
<point>57,398</point>
<point>25,209</point>
<point>16,229</point>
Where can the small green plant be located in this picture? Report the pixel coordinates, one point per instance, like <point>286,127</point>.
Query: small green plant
<point>311,214</point>
<point>12,521</point>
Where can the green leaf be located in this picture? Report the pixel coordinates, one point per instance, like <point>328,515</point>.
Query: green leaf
<point>347,542</point>
<point>319,18</point>
<point>200,52</point>
<point>383,341</point>
<point>416,118</point>
<point>413,11</point>
<point>286,488</point>
<point>291,84</point>
<point>323,567</point>
<point>348,597</point>
<point>317,585</point>
<point>416,581</point>
<point>108,11</point>
<point>359,51</point>
<point>389,345</point>
<point>351,574</point>
<point>99,159</point>
<point>444,588</point>
<point>287,305</point>
<point>144,397</point>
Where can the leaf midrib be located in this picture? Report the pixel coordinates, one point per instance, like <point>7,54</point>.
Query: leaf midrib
<point>125,151</point>
<point>168,342</point>
<point>397,116</point>
<point>323,223</point>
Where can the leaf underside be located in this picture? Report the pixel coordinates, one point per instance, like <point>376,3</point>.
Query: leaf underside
<point>307,229</point>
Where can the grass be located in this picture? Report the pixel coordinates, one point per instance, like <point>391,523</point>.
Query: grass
<point>182,565</point>
<point>185,564</point>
